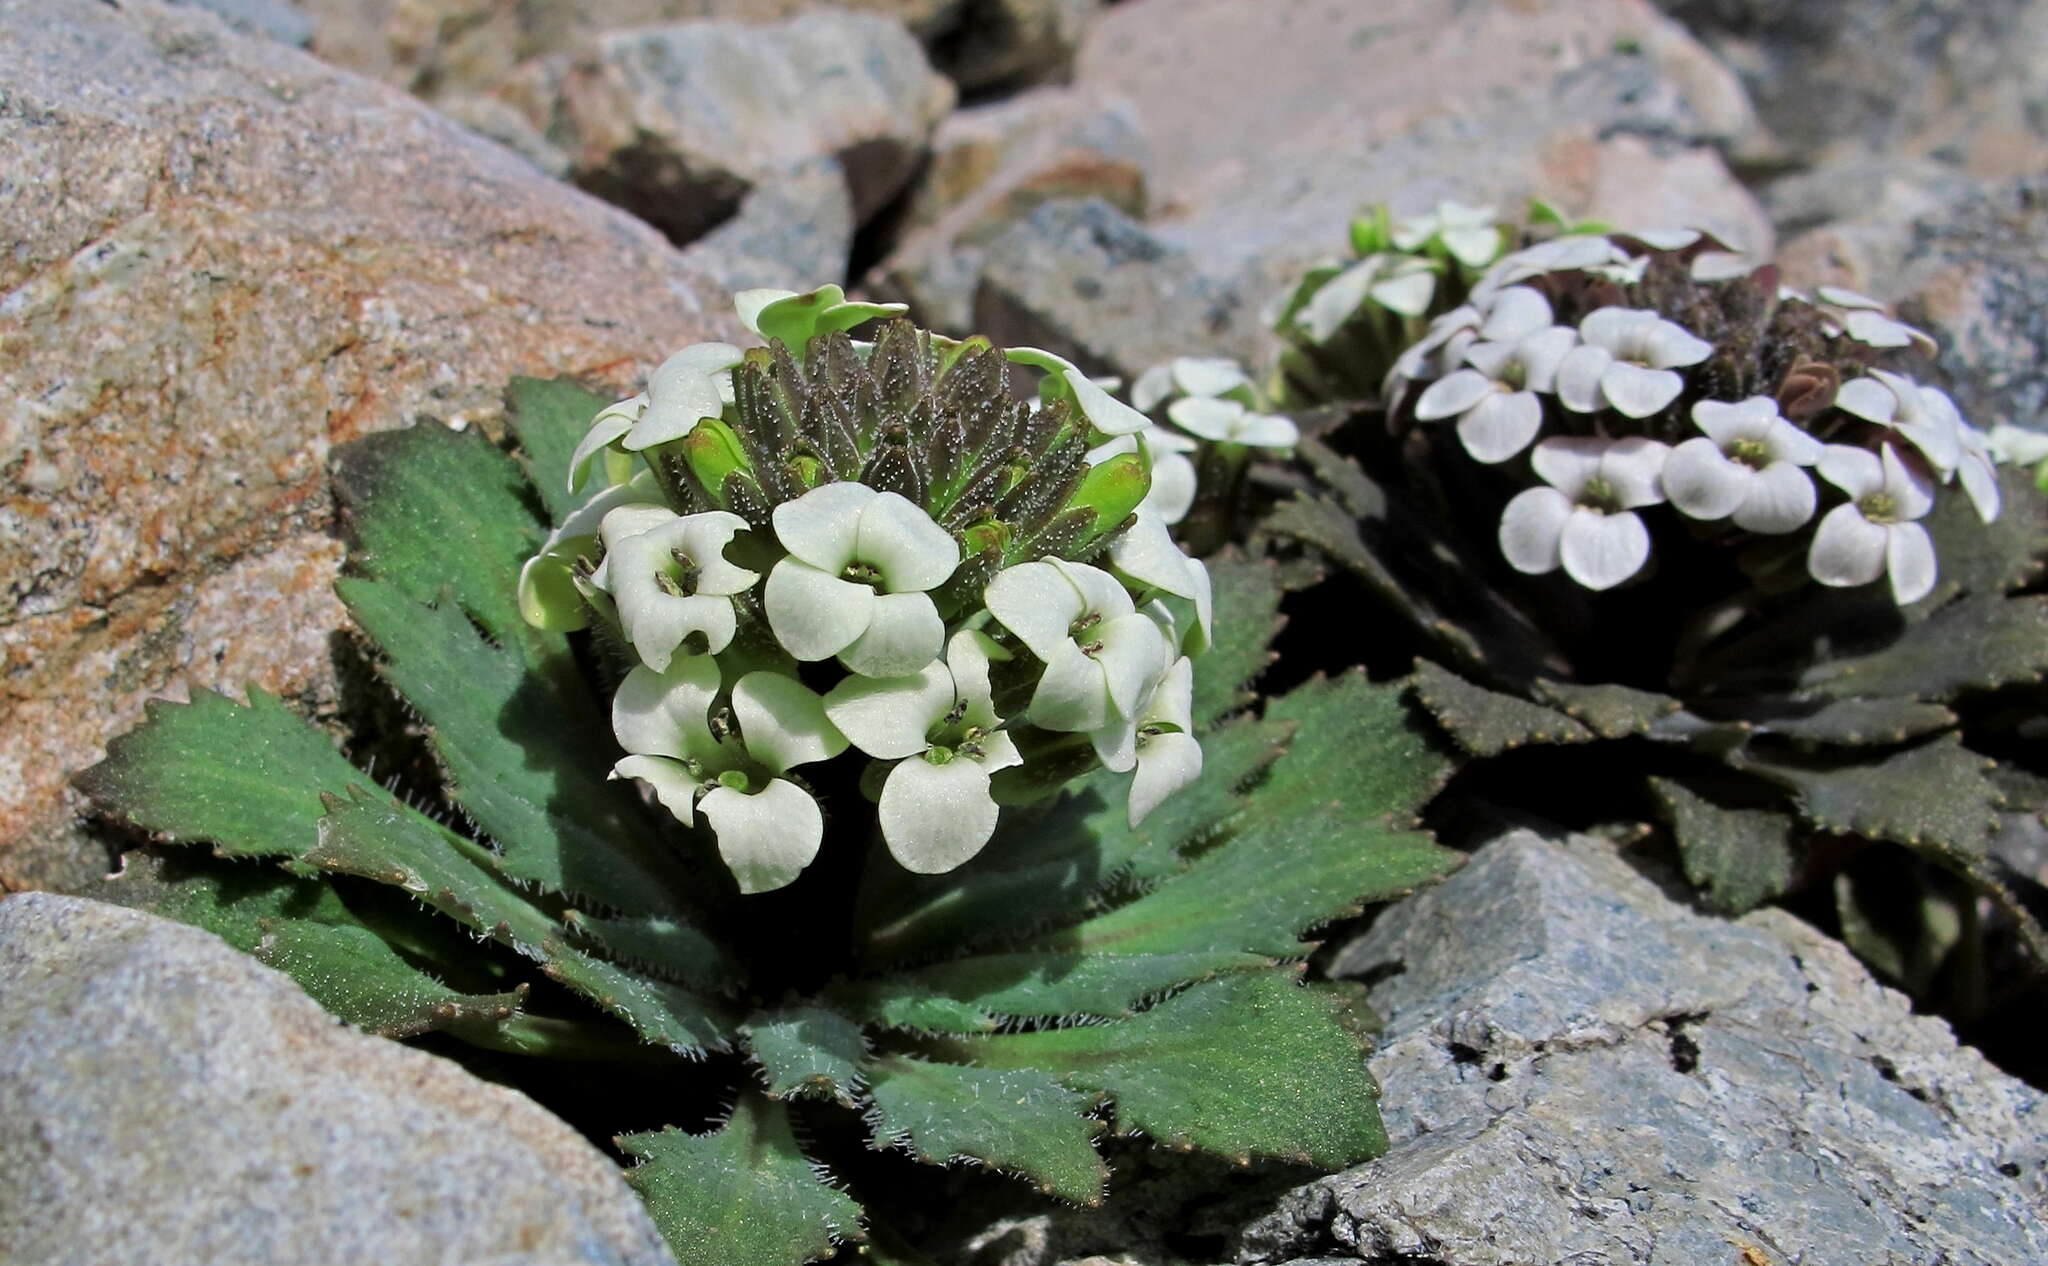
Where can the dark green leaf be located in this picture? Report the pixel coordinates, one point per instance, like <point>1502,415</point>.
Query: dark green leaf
<point>661,1013</point>
<point>1486,722</point>
<point>358,977</point>
<point>661,947</point>
<point>1975,644</point>
<point>807,1051</point>
<point>549,417</point>
<point>1859,722</point>
<point>249,779</point>
<point>1358,748</point>
<point>1742,856</point>
<point>1053,982</point>
<point>1017,1120</point>
<point>1247,615</point>
<point>1905,930</point>
<point>743,1195</point>
<point>1249,1065</point>
<point>1934,796</point>
<point>1612,711</point>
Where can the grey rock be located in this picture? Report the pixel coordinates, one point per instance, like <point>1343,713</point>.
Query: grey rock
<point>793,230</point>
<point>223,258</point>
<point>1578,1068</point>
<point>500,121</point>
<point>1079,278</point>
<point>275,19</point>
<point>166,1099</point>
<point>677,123</point>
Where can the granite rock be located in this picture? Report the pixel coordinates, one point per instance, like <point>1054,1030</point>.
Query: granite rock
<point>166,1099</point>
<point>1578,1068</point>
<point>226,258</point>
<point>276,19</point>
<point>677,123</point>
<point>793,230</point>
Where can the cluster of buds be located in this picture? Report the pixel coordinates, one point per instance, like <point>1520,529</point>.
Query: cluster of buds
<point>1644,369</point>
<point>822,546</point>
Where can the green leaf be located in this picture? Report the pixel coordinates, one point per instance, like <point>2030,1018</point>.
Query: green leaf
<point>249,779</point>
<point>1486,722</point>
<point>1934,795</point>
<point>1611,710</point>
<point>1017,1120</point>
<point>660,947</point>
<point>1358,748</point>
<point>549,417</point>
<point>1053,982</point>
<point>1860,722</point>
<point>1251,1065</point>
<point>1742,856</point>
<point>358,977</point>
<point>1904,930</point>
<point>743,1194</point>
<point>524,759</point>
<point>661,1013</point>
<point>807,1051</point>
<point>1247,615</point>
<point>1978,643</point>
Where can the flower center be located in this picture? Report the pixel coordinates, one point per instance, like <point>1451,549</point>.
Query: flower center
<point>862,573</point>
<point>735,779</point>
<point>1079,629</point>
<point>936,755</point>
<point>1878,507</point>
<point>1600,496</point>
<point>1754,454</point>
<point>1514,376</point>
<point>680,578</point>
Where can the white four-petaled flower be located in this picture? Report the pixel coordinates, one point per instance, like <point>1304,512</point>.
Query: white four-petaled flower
<point>669,576</point>
<point>1399,283</point>
<point>1227,421</point>
<point>1747,466</point>
<point>1583,519</point>
<point>551,593</point>
<point>1924,415</point>
<point>1101,654</point>
<point>1472,235</point>
<point>1187,376</point>
<point>768,828</point>
<point>856,582</point>
<point>1495,394</point>
<point>1864,319</point>
<point>1625,360</point>
<point>1875,532</point>
<point>940,727</point>
<point>1064,380</point>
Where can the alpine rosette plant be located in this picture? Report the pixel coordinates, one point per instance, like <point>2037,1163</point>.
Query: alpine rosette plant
<point>1632,497</point>
<point>821,749</point>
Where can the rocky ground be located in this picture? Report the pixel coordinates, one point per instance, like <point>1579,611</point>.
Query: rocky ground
<point>244,231</point>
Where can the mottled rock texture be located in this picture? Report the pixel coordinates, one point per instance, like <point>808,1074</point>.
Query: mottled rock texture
<point>227,258</point>
<point>167,1099</point>
<point>1579,1069</point>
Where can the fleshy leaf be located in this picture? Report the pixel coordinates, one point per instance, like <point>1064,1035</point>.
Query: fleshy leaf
<point>1977,643</point>
<point>1486,722</point>
<point>357,976</point>
<point>744,1193</point>
<point>1017,1120</point>
<point>549,417</point>
<point>807,1051</point>
<point>1742,856</point>
<point>1934,794</point>
<point>1251,1065</point>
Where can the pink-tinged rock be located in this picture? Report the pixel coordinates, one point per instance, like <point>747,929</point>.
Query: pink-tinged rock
<point>227,258</point>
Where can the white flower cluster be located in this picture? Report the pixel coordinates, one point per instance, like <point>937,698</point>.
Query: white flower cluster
<point>831,638</point>
<point>1505,369</point>
<point>1205,398</point>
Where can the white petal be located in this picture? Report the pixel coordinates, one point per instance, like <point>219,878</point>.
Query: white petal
<point>821,526</point>
<point>1867,399</point>
<point>904,634</point>
<point>1336,299</point>
<point>1711,266</point>
<point>1847,549</point>
<point>1267,430</point>
<point>1666,239</point>
<point>1472,247</point>
<point>813,614</point>
<point>1703,483</point>
<point>656,623</point>
<point>1637,392</point>
<point>766,837</point>
<point>606,429</point>
<point>1166,764</point>
<point>1208,375</point>
<point>1407,293</point>
<point>748,303</point>
<point>1602,550</point>
<point>783,721</point>
<point>1875,329</point>
<point>1542,352</point>
<point>1209,418</point>
<point>1037,603</point>
<point>1668,346</point>
<point>1116,744</point>
<point>900,540</point>
<point>1146,554</point>
<point>1500,426</point>
<point>1071,695</point>
<point>703,537</point>
<point>1100,591</point>
<point>1780,498</point>
<point>667,714</point>
<point>1173,487</point>
<point>892,717</point>
<point>1617,329</point>
<point>1518,312</point>
<point>1566,462</point>
<point>1790,444</point>
<point>681,372</point>
<point>935,817</point>
<point>1133,656</point>
<point>2016,445</point>
<point>1633,467</point>
<point>1909,490</point>
<point>1726,423</point>
<point>1174,701</point>
<point>1531,529</point>
<point>1152,386</point>
<point>1855,471</point>
<point>672,783</point>
<point>1109,415</point>
<point>1453,394</point>
<point>1578,377</point>
<point>1980,483</point>
<point>622,523</point>
<point>968,655</point>
<point>668,420</point>
<point>1909,557</point>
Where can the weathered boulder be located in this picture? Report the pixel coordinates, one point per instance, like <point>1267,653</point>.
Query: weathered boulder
<point>278,19</point>
<point>225,258</point>
<point>993,44</point>
<point>164,1098</point>
<point>992,165</point>
<point>1578,1068</point>
<point>677,123</point>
